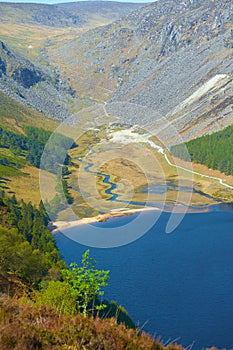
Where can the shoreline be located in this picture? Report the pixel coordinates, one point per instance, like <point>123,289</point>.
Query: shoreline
<point>63,225</point>
<point>58,225</point>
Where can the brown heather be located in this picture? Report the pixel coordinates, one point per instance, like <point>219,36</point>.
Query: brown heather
<point>25,327</point>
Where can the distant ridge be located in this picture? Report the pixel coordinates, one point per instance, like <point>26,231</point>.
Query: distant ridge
<point>68,14</point>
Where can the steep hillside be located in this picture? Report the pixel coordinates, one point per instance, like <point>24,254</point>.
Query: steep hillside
<point>15,116</point>
<point>23,326</point>
<point>33,86</point>
<point>158,57</point>
<point>16,174</point>
<point>27,31</point>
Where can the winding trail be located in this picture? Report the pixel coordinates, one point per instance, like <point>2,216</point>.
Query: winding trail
<point>127,136</point>
<point>196,173</point>
<point>161,150</point>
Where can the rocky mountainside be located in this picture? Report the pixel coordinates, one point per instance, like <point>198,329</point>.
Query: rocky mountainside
<point>170,56</point>
<point>74,14</point>
<point>28,31</point>
<point>173,57</point>
<point>33,86</point>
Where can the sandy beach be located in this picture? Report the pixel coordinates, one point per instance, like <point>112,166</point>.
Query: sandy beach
<point>62,225</point>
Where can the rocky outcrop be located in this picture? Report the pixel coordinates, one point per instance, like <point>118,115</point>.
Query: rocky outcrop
<point>2,67</point>
<point>27,77</point>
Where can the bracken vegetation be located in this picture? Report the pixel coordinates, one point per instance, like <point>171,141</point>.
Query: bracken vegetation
<point>23,326</point>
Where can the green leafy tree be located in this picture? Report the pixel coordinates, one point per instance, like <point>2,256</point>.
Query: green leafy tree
<point>17,257</point>
<point>86,284</point>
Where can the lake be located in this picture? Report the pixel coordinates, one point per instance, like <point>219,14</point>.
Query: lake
<point>178,285</point>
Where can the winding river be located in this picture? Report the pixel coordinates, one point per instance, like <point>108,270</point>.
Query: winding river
<point>106,179</point>
<point>152,189</point>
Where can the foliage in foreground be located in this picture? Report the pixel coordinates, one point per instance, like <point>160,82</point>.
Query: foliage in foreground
<point>85,283</point>
<point>23,326</point>
<point>54,315</point>
<point>78,290</point>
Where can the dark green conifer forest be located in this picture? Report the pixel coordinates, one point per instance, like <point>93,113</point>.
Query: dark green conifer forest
<point>215,150</point>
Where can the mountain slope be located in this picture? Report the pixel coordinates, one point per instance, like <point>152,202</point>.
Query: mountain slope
<point>33,86</point>
<point>158,57</point>
<point>74,14</point>
<point>15,116</point>
<point>26,32</point>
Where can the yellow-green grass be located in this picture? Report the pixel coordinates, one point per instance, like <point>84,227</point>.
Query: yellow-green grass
<point>11,170</point>
<point>29,39</point>
<point>25,184</point>
<point>6,153</point>
<point>23,180</point>
<point>14,116</point>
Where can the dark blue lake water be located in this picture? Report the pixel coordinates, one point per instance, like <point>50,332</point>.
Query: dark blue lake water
<point>178,285</point>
